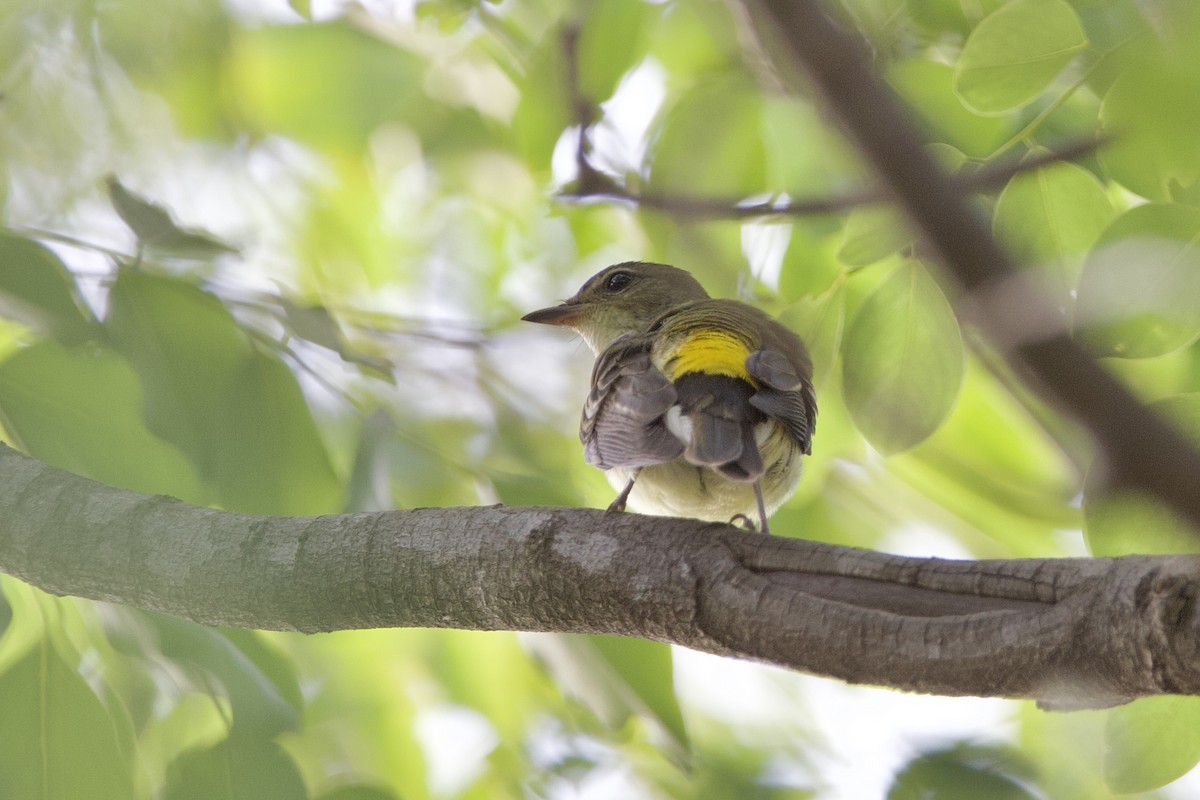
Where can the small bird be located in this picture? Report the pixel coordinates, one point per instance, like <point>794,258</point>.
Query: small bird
<point>698,407</point>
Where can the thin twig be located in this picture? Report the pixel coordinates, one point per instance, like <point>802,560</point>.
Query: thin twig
<point>595,186</point>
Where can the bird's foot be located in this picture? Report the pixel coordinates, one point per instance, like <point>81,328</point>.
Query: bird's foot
<point>748,524</point>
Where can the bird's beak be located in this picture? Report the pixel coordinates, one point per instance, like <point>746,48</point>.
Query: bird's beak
<point>564,315</point>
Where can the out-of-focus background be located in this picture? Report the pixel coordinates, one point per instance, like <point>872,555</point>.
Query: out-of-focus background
<point>270,256</point>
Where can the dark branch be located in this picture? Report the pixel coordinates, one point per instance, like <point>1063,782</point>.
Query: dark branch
<point>1139,449</point>
<point>593,185</point>
<point>1022,628</point>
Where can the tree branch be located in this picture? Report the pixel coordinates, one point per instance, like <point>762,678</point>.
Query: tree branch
<point>1073,633</point>
<point>1139,449</point>
<point>593,185</point>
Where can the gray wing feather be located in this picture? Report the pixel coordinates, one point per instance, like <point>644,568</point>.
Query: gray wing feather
<point>623,418</point>
<point>784,395</point>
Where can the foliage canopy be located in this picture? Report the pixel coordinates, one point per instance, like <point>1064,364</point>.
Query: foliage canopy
<point>270,258</point>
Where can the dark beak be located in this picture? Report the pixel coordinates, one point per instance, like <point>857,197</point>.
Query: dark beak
<point>561,315</point>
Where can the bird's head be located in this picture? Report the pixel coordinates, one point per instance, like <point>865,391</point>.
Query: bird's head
<point>621,299</point>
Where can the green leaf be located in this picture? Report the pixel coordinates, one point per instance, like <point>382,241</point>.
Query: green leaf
<point>329,85</point>
<point>710,143</point>
<point>1014,53</point>
<point>156,229</point>
<point>235,411</point>
<point>37,290</point>
<point>188,351</point>
<point>1151,150</point>
<point>544,110</point>
<point>261,688</point>
<point>820,321</point>
<point>239,768</point>
<point>314,324</point>
<point>1119,523</point>
<point>302,7</point>
<point>273,458</point>
<point>902,360</point>
<point>809,266</point>
<point>872,234</point>
<point>646,667</point>
<point>1050,217</point>
<point>1139,292</point>
<point>617,680</point>
<point>80,409</point>
<point>928,86</point>
<point>612,40</point>
<point>1151,742</point>
<point>963,770</point>
<point>358,792</point>
<point>57,740</point>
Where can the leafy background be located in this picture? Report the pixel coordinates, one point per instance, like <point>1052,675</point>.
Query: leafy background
<point>270,257</point>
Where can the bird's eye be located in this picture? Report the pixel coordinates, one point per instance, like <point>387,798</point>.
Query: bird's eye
<point>617,281</point>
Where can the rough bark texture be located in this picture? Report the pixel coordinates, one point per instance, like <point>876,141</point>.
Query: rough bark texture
<point>1069,632</point>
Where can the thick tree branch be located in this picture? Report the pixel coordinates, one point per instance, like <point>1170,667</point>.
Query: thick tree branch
<point>1083,632</point>
<point>1139,449</point>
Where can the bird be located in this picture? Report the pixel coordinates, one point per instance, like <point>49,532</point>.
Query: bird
<point>698,407</point>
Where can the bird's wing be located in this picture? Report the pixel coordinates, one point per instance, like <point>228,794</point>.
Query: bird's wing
<point>623,421</point>
<point>784,394</point>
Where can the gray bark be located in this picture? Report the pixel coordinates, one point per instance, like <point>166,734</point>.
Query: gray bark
<point>1068,632</point>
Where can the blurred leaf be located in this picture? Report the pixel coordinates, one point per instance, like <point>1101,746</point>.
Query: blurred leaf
<point>1014,53</point>
<point>327,84</point>
<point>313,323</point>
<point>57,740</point>
<point>80,409</point>
<point>26,625</point>
<point>502,693</point>
<point>962,771</point>
<point>928,86</point>
<point>710,143</point>
<point>1151,742</point>
<point>264,702</point>
<point>1067,751</point>
<point>801,154</point>
<point>545,109</point>
<point>358,792</point>
<point>302,7</point>
<point>1139,292</point>
<point>37,290</point>
<point>612,40</point>
<point>872,233</point>
<point>820,322</point>
<point>809,265</point>
<point>173,49</point>
<point>156,229</point>
<point>1151,151</point>
<point>695,41</point>
<point>1048,218</point>
<point>1118,523</point>
<point>274,460</point>
<point>615,681</point>
<point>237,412</point>
<point>188,351</point>
<point>646,667</point>
<point>902,360</point>
<point>274,664</point>
<point>239,768</point>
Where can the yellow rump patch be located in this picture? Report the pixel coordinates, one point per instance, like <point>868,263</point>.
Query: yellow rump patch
<point>711,352</point>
